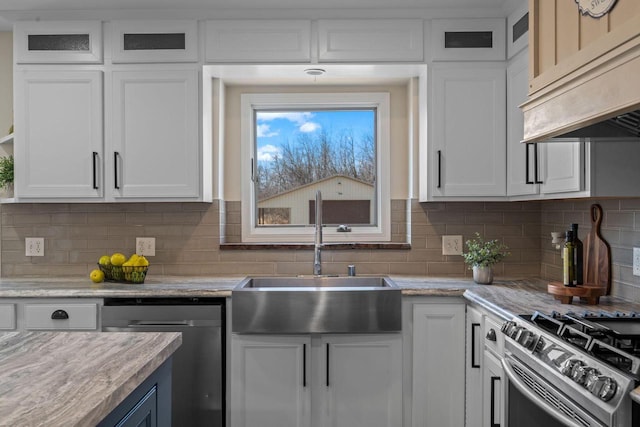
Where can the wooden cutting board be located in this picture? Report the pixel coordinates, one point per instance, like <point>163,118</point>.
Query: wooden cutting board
<point>597,254</point>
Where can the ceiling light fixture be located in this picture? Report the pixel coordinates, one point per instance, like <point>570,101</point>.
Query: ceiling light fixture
<point>315,71</point>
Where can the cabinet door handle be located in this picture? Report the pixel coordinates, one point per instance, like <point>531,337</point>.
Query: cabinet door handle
<point>116,155</point>
<point>491,335</point>
<point>473,345</point>
<point>535,158</point>
<point>493,401</point>
<point>304,365</point>
<point>439,168</point>
<point>59,315</point>
<point>526,162</point>
<point>95,170</point>
<point>327,364</point>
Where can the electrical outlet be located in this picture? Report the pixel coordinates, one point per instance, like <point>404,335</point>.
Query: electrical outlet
<point>451,245</point>
<point>636,261</point>
<point>146,246</point>
<point>34,246</point>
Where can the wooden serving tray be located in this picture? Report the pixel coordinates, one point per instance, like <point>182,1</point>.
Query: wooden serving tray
<point>587,293</point>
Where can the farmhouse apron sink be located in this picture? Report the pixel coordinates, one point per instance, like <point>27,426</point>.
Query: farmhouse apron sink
<point>316,304</point>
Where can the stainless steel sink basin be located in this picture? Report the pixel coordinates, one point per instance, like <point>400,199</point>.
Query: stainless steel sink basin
<point>316,304</point>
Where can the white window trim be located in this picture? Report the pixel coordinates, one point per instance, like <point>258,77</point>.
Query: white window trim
<point>378,100</point>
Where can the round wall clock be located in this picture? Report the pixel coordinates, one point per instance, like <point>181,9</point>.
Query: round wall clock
<point>595,8</point>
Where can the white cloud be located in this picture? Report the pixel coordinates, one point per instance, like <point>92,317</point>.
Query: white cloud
<point>264,131</point>
<point>309,127</point>
<point>268,153</point>
<point>298,118</point>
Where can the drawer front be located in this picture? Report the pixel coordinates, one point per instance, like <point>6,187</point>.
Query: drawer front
<point>7,316</point>
<point>496,346</point>
<point>61,316</point>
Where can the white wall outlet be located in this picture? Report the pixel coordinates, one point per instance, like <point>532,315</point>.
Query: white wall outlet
<point>34,246</point>
<point>451,245</point>
<point>636,261</point>
<point>146,246</point>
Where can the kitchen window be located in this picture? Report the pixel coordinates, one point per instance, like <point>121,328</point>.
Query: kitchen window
<point>294,144</point>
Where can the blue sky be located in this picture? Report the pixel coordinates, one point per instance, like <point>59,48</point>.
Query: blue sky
<point>276,128</point>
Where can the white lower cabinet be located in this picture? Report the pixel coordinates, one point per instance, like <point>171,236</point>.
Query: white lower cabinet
<point>438,364</point>
<point>316,380</point>
<point>50,314</point>
<point>492,391</point>
<point>484,376</point>
<point>473,367</point>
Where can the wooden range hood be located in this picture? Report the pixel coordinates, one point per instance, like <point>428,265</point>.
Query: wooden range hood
<point>584,72</point>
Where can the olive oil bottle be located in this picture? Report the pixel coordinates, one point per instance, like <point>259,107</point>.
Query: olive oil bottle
<point>578,260</point>
<point>568,257</point>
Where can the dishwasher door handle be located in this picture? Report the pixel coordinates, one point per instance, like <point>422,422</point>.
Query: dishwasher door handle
<point>173,323</point>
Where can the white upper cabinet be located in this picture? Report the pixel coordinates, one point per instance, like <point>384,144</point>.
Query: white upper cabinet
<point>54,42</point>
<point>154,41</point>
<point>155,139</point>
<point>468,39</point>
<point>518,30</point>
<point>58,132</point>
<point>522,171</point>
<point>348,40</point>
<point>466,150</point>
<point>258,41</point>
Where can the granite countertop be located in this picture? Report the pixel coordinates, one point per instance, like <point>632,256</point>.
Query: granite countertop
<point>75,378</point>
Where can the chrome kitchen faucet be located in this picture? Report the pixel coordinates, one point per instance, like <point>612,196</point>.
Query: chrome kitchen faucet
<point>317,247</point>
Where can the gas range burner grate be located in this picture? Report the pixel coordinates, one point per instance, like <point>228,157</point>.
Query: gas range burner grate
<point>613,338</point>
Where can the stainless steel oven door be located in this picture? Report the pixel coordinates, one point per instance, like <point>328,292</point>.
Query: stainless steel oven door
<point>533,402</point>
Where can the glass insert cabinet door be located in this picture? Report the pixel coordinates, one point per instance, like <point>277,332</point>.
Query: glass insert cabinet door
<point>49,42</point>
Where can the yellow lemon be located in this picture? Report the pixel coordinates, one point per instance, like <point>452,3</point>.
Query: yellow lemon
<point>133,258</point>
<point>118,259</point>
<point>104,260</point>
<point>141,261</point>
<point>96,276</point>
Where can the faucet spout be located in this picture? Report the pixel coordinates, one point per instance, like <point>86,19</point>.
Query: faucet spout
<point>317,247</point>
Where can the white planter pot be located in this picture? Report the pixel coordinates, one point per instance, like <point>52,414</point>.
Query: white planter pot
<point>482,275</point>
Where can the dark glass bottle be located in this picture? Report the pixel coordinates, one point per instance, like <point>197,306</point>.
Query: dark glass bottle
<point>578,260</point>
<point>568,270</point>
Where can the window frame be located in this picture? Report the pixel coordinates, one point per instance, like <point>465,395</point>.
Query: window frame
<point>381,232</point>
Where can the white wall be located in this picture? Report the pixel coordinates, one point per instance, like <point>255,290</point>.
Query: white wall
<point>400,142</point>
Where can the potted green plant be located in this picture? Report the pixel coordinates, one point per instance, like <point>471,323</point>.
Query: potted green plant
<point>481,255</point>
<point>6,173</point>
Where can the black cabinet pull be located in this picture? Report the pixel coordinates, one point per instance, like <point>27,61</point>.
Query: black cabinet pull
<point>535,171</point>
<point>95,170</point>
<point>304,365</point>
<point>493,401</point>
<point>116,155</point>
<point>473,345</point>
<point>59,315</point>
<point>439,168</point>
<point>526,162</point>
<point>327,364</point>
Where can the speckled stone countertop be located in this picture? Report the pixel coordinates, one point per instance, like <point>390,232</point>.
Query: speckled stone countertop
<point>504,298</point>
<point>74,378</point>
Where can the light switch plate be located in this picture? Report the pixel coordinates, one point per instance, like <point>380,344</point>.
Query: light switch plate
<point>34,246</point>
<point>451,245</point>
<point>636,261</point>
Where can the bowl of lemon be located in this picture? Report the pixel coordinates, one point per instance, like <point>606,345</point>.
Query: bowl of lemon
<point>117,268</point>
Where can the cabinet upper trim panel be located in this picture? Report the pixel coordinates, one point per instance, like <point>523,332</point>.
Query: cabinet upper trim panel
<point>154,41</point>
<point>59,42</point>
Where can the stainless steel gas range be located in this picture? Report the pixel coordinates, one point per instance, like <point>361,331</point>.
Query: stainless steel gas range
<point>572,370</point>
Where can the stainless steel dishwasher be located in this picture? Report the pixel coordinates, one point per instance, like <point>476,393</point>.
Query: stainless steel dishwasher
<point>198,365</point>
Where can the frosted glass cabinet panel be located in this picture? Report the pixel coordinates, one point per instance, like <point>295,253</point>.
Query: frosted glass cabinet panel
<point>49,42</point>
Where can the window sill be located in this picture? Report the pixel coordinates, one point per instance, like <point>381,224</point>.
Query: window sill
<point>325,246</point>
